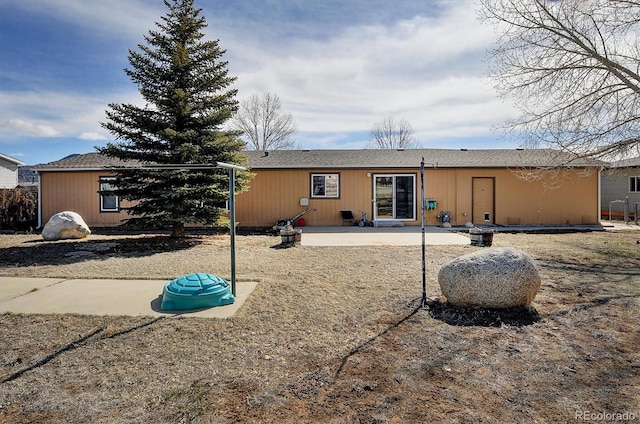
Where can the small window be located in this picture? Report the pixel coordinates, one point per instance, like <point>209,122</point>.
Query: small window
<point>108,200</point>
<point>634,184</point>
<point>325,185</point>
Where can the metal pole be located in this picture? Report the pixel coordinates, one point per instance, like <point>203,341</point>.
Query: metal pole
<point>424,267</point>
<point>232,218</point>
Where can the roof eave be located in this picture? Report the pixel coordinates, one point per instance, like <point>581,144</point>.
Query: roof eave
<point>67,169</point>
<point>10,159</point>
<point>417,166</point>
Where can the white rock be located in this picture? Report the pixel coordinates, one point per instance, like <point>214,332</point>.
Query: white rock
<point>493,279</point>
<point>65,225</point>
<point>469,224</point>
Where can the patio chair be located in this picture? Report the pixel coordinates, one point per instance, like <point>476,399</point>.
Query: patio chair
<point>347,216</point>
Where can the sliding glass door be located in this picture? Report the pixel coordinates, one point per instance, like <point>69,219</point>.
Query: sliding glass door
<point>394,197</point>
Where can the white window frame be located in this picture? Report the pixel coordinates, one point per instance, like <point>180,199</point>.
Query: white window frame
<point>104,193</point>
<point>634,183</point>
<point>331,185</point>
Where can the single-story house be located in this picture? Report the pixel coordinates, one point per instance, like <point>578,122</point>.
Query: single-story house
<point>620,185</point>
<point>488,186</point>
<point>9,171</point>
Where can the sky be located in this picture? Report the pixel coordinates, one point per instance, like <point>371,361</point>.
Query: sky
<point>338,67</point>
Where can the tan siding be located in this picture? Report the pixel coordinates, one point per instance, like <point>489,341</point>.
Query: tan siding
<point>356,194</point>
<point>574,201</point>
<point>77,192</point>
<point>276,194</point>
<point>440,184</point>
<point>516,200</point>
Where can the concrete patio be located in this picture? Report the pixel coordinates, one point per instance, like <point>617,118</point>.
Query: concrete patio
<point>381,236</point>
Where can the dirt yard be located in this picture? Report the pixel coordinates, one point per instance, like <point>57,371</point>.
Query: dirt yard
<point>330,335</point>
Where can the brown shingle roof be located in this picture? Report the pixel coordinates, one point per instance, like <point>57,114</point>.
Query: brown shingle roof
<point>87,161</point>
<point>627,163</point>
<point>410,158</point>
<point>337,159</point>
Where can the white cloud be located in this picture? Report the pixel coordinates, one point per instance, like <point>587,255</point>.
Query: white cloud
<point>30,128</point>
<point>113,18</point>
<point>93,136</point>
<point>426,70</point>
<point>58,114</point>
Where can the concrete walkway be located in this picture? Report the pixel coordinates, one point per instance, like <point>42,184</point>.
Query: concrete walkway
<point>434,235</point>
<point>382,236</point>
<point>100,297</point>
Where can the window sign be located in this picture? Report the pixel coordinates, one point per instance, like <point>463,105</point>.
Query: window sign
<point>325,185</point>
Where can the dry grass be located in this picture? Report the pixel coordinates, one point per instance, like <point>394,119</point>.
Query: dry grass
<point>329,335</point>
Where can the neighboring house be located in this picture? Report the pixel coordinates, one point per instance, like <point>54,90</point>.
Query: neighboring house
<point>9,171</point>
<point>479,186</point>
<point>620,186</point>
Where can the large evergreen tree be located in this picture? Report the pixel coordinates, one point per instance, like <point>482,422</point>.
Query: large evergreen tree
<point>187,90</point>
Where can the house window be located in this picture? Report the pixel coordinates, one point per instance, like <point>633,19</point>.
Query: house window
<point>325,185</point>
<point>108,200</point>
<point>634,184</point>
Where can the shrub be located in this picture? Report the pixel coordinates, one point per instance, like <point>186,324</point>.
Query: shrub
<point>18,208</point>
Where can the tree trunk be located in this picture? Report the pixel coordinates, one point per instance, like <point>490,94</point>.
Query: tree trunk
<point>177,230</point>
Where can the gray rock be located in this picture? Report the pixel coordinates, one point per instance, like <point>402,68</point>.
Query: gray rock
<point>65,225</point>
<point>493,279</point>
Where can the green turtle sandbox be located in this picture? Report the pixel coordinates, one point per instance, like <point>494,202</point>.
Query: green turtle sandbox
<point>196,291</point>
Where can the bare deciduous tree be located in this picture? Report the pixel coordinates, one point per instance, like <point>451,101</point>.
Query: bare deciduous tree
<point>571,67</point>
<point>392,134</point>
<point>263,124</point>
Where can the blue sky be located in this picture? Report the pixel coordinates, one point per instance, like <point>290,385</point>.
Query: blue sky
<point>338,66</point>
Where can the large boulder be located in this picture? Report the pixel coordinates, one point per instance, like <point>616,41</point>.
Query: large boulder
<point>65,225</point>
<point>492,279</point>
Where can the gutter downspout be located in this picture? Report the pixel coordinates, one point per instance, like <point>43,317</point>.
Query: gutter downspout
<point>39,200</point>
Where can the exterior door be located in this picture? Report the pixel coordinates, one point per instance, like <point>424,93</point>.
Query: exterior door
<point>483,200</point>
<point>394,197</point>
